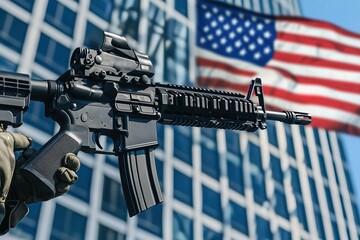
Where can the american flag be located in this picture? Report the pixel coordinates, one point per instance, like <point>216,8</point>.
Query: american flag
<point>305,65</point>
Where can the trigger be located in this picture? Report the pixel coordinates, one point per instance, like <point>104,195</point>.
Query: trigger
<point>97,140</point>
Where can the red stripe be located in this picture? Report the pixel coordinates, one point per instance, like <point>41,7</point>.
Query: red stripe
<point>287,95</point>
<point>216,64</point>
<point>319,24</point>
<point>326,123</point>
<point>313,61</point>
<point>334,125</point>
<point>317,42</point>
<point>339,85</point>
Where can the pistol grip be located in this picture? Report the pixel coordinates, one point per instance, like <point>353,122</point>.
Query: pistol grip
<point>41,169</point>
<point>139,180</point>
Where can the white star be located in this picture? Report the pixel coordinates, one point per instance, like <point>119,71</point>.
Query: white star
<point>232,35</point>
<point>257,55</point>
<point>267,21</point>
<point>229,49</point>
<point>207,15</point>
<point>228,13</point>
<point>214,45</point>
<point>206,28</point>
<point>213,23</point>
<point>223,41</point>
<point>242,52</point>
<point>234,21</point>
<point>260,26</point>
<point>203,6</point>
<point>252,32</point>
<point>210,37</point>
<point>215,10</point>
<point>247,23</point>
<point>202,40</point>
<point>239,29</point>
<point>226,27</point>
<point>241,16</point>
<point>218,32</point>
<point>246,38</point>
<point>238,43</point>
<point>221,18</point>
<point>252,47</point>
<point>260,41</point>
<point>254,19</point>
<point>267,34</point>
<point>267,50</point>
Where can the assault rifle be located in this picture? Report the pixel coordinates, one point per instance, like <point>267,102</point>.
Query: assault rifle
<point>108,91</point>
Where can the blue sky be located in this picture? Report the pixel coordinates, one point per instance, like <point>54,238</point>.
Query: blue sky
<point>346,14</point>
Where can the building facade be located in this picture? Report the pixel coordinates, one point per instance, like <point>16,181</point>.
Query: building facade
<point>288,182</point>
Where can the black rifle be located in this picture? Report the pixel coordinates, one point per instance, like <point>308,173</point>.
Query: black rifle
<point>108,92</point>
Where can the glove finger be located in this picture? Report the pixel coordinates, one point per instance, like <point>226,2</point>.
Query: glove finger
<point>21,141</point>
<point>25,156</point>
<point>72,162</point>
<point>67,175</point>
<point>62,187</point>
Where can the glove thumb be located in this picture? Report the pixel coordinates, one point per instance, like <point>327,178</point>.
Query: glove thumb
<point>21,141</point>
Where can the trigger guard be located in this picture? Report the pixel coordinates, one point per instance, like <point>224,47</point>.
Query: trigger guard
<point>97,140</point>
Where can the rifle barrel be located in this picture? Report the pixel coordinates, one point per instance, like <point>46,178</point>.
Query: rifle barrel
<point>290,117</point>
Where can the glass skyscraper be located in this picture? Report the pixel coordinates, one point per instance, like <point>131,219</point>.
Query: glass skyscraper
<point>288,182</point>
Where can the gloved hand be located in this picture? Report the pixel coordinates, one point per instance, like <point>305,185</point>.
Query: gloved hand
<point>15,187</point>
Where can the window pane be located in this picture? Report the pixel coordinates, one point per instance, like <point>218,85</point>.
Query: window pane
<point>176,53</point>
<point>26,4</point>
<point>106,233</point>
<point>182,227</point>
<point>12,31</point>
<point>238,218</point>
<point>151,220</point>
<point>210,234</point>
<point>102,8</point>
<point>129,16</point>
<point>289,140</point>
<point>94,36</point>
<point>235,172</point>
<point>52,55</point>
<point>183,144</point>
<point>276,169</point>
<point>271,129</point>
<point>113,199</point>
<point>60,17</point>
<point>210,157</point>
<point>281,205</point>
<point>263,229</point>
<point>6,65</point>
<point>255,155</point>
<point>81,189</point>
<point>35,116</point>
<point>183,187</point>
<point>211,203</point>
<point>155,39</point>
<point>64,222</point>
<point>181,6</point>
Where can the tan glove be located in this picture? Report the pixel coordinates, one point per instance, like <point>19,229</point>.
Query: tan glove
<point>8,143</point>
<point>15,187</point>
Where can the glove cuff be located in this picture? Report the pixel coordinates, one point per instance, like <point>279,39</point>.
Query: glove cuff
<point>15,210</point>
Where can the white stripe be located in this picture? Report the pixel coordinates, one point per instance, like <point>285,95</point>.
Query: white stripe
<point>318,52</point>
<point>318,32</point>
<point>316,111</point>
<point>275,79</point>
<point>318,72</point>
<point>300,70</point>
